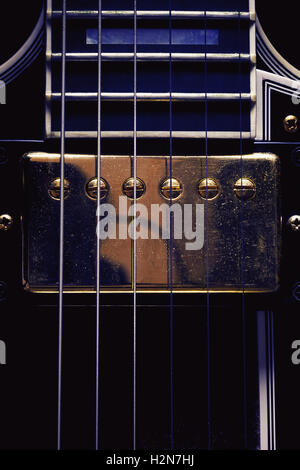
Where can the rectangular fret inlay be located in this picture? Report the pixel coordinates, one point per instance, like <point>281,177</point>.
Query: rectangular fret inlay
<point>154,36</point>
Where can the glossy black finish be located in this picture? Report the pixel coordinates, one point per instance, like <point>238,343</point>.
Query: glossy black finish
<point>281,26</point>
<point>29,327</point>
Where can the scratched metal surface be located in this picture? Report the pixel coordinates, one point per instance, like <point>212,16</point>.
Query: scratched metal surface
<point>256,254</point>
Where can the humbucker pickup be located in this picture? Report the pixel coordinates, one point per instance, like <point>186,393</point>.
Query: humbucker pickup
<point>202,223</point>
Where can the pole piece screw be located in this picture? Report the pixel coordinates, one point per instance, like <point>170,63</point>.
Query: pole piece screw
<point>245,189</point>
<point>208,188</point>
<point>92,188</point>
<point>54,189</point>
<point>171,189</point>
<point>128,188</point>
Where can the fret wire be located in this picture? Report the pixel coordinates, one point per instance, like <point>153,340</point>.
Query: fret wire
<point>98,267</point>
<point>134,226</point>
<point>61,223</point>
<point>208,316</point>
<point>171,232</point>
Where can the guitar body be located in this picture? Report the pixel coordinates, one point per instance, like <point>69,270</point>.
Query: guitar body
<point>200,350</point>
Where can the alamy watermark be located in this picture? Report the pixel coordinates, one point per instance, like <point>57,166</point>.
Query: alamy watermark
<point>2,353</point>
<point>162,221</point>
<point>296,354</point>
<point>2,92</point>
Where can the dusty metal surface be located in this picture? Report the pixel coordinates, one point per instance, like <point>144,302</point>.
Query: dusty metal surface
<point>235,249</point>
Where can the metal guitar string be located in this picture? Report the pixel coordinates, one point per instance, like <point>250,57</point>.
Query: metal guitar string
<point>244,336</point>
<point>171,235</point>
<point>98,242</point>
<point>61,222</point>
<point>208,315</point>
<point>134,274</point>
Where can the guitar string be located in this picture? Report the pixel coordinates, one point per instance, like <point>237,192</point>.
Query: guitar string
<point>208,313</point>
<point>171,235</point>
<point>134,227</point>
<point>243,306</point>
<point>98,266</point>
<point>61,222</point>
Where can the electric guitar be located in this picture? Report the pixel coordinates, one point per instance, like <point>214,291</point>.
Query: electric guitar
<point>149,225</point>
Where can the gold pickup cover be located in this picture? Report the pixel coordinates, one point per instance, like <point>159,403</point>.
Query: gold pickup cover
<point>224,234</point>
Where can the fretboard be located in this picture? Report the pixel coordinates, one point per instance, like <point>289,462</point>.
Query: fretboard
<point>202,59</point>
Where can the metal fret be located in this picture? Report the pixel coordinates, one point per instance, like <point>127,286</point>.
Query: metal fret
<point>150,14</point>
<point>157,56</point>
<point>70,96</point>
<point>154,134</point>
